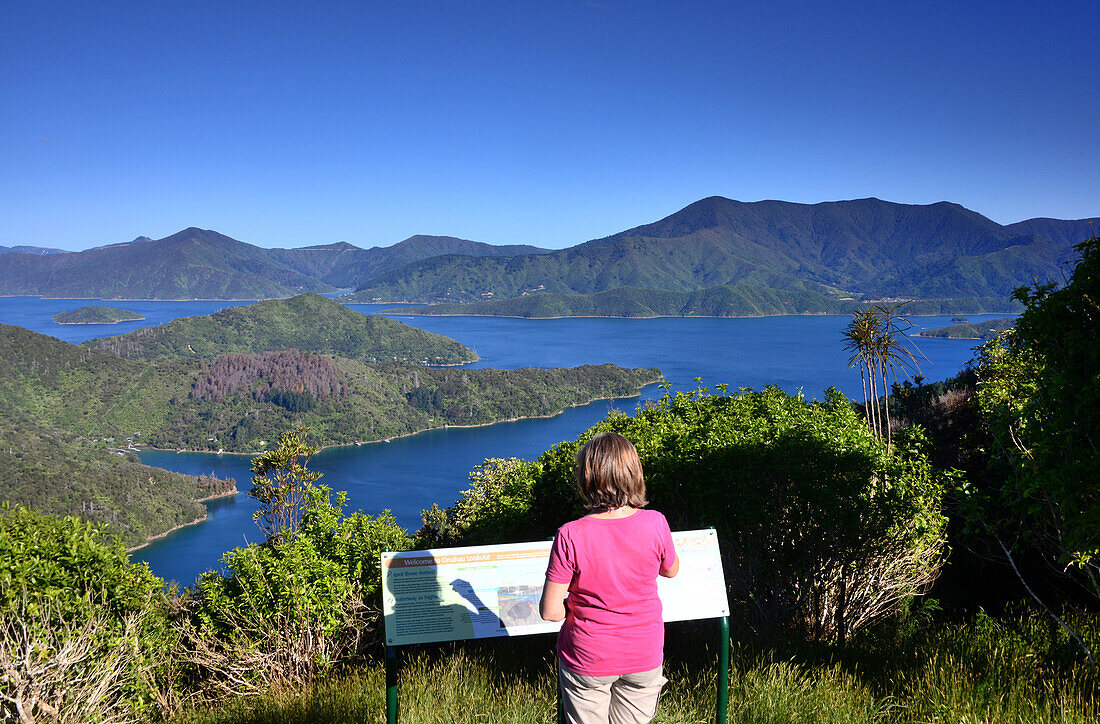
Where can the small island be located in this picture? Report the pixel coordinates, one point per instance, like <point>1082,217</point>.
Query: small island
<point>974,330</point>
<point>97,315</point>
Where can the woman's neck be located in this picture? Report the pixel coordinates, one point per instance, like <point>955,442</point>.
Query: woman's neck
<point>624,511</point>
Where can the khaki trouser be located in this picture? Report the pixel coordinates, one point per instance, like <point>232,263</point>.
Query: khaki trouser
<point>626,699</point>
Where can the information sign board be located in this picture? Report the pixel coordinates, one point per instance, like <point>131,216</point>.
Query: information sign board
<point>448,594</point>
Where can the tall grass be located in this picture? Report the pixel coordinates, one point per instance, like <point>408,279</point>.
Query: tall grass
<point>1012,669</point>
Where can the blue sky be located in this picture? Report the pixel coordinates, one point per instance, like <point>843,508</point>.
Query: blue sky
<point>549,123</point>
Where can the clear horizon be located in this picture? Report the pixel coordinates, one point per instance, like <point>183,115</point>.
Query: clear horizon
<point>289,124</point>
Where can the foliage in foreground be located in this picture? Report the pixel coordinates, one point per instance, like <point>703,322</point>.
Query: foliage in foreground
<point>84,633</point>
<point>294,607</point>
<point>1039,392</point>
<point>911,670</point>
<point>821,529</point>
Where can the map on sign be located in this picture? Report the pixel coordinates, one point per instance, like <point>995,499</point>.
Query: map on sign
<point>448,594</point>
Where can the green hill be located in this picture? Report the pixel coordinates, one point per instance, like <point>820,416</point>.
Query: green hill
<point>96,315</point>
<point>241,402</point>
<point>63,474</point>
<point>54,452</point>
<point>866,248</point>
<point>65,408</point>
<point>973,330</point>
<point>238,403</point>
<point>308,322</point>
<point>742,300</point>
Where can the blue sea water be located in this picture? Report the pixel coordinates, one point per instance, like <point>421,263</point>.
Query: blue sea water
<point>408,474</point>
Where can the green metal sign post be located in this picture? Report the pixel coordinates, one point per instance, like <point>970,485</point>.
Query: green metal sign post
<point>721,706</point>
<point>475,592</point>
<point>723,670</point>
<point>391,685</point>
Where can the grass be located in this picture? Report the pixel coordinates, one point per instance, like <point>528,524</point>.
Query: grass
<point>1016,668</point>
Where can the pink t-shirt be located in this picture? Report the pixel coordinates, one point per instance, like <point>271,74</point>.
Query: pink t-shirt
<point>613,622</point>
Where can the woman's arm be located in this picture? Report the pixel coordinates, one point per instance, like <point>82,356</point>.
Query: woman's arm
<point>552,605</point>
<point>671,570</point>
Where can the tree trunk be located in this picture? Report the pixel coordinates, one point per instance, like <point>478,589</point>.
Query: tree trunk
<point>866,397</point>
<point>1071,632</point>
<point>889,432</point>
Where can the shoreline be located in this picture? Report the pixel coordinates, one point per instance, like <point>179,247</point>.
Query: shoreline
<point>165,534</point>
<point>205,516</point>
<point>389,313</point>
<point>357,443</point>
<point>215,496</point>
<point>932,336</point>
<point>117,321</point>
<point>501,316</point>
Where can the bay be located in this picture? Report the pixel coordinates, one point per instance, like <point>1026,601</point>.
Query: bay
<point>408,474</point>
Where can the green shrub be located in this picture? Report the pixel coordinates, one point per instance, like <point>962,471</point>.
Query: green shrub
<point>495,508</point>
<point>84,631</point>
<point>1039,393</point>
<point>821,528</point>
<point>293,607</point>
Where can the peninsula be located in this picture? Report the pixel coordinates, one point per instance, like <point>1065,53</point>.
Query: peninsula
<point>233,382</point>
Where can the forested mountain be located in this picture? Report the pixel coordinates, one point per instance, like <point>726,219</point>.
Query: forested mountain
<point>22,249</point>
<point>64,474</point>
<point>201,264</point>
<point>865,248</point>
<point>308,322</point>
<point>1062,232</point>
<point>191,264</point>
<point>243,401</point>
<point>346,266</point>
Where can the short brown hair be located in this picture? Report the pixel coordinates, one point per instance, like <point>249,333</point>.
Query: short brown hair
<point>609,473</point>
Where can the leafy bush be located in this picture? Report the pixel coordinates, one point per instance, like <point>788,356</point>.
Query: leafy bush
<point>84,631</point>
<point>1039,395</point>
<point>291,608</point>
<point>496,508</point>
<point>821,529</point>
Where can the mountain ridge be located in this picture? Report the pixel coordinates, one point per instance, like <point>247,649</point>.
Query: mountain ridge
<point>864,247</point>
<point>199,263</point>
<point>861,248</point>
